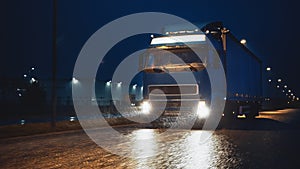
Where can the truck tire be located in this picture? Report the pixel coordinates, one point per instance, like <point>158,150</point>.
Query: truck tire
<point>254,112</point>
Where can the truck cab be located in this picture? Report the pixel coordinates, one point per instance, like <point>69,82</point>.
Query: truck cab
<point>176,82</point>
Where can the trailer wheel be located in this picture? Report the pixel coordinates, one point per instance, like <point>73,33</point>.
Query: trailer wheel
<point>251,116</point>
<point>253,113</point>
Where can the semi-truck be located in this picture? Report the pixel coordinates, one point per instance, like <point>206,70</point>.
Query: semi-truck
<point>170,58</point>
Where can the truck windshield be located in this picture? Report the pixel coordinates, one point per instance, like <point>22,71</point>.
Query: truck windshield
<point>174,59</point>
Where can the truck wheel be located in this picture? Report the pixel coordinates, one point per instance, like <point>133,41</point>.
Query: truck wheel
<point>254,112</point>
<point>251,116</point>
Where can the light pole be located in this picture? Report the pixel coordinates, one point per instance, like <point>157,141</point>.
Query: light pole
<point>224,32</point>
<point>54,60</point>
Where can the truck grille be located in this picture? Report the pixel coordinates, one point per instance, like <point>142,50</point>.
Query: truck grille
<point>173,90</point>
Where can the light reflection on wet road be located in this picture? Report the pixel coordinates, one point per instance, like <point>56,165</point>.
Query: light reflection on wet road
<point>226,148</point>
<point>182,149</point>
<point>188,151</point>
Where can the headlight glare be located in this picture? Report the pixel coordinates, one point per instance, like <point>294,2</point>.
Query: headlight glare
<point>202,110</point>
<point>146,107</point>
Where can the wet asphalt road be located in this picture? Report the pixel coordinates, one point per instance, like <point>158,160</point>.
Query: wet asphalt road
<point>270,141</point>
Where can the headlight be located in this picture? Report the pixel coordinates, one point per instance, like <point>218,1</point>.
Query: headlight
<point>203,110</point>
<point>146,107</point>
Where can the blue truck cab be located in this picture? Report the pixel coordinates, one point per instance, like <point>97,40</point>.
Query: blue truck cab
<point>175,79</point>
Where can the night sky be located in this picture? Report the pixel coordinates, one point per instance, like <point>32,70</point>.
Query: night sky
<point>271,28</point>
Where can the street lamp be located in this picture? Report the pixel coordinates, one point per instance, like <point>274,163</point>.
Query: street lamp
<point>74,80</point>
<point>29,73</point>
<point>279,80</point>
<point>33,80</point>
<point>268,69</point>
<point>134,86</point>
<point>243,41</point>
<point>108,83</point>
